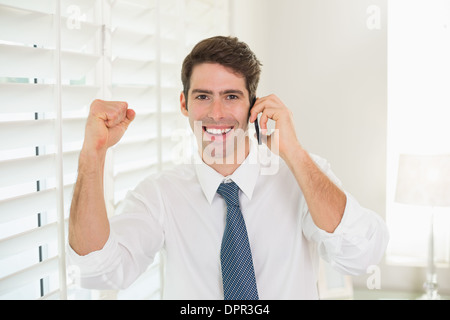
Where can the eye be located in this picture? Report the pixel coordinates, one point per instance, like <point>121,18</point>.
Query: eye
<point>202,97</point>
<point>232,97</point>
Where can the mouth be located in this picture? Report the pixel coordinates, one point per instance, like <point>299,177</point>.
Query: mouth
<point>217,132</point>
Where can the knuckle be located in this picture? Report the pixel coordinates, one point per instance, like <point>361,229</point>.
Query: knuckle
<point>97,105</point>
<point>97,102</point>
<point>121,107</point>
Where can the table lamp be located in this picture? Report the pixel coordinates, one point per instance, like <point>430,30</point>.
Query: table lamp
<point>425,180</point>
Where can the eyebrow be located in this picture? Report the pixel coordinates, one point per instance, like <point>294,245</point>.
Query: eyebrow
<point>229,91</point>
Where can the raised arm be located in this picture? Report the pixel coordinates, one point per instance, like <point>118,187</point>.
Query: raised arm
<point>326,202</point>
<point>88,222</point>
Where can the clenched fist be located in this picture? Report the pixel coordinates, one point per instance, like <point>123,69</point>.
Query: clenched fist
<point>106,124</point>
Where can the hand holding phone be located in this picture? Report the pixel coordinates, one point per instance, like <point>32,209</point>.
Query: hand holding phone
<point>284,138</point>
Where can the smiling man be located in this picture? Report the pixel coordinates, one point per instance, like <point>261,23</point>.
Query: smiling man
<point>225,229</point>
<point>219,104</point>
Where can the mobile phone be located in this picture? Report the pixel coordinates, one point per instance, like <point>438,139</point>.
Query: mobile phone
<point>256,123</point>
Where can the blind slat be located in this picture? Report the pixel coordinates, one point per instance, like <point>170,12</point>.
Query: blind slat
<point>19,97</point>
<point>137,150</point>
<point>26,133</point>
<point>128,71</point>
<point>28,204</point>
<point>144,125</point>
<point>18,207</point>
<point>38,63</point>
<point>38,132</point>
<point>30,27</point>
<point>133,45</point>
<point>27,240</point>
<point>30,97</point>
<point>34,62</point>
<point>143,99</point>
<point>77,65</point>
<point>45,6</point>
<point>78,97</point>
<point>24,170</point>
<point>141,16</point>
<point>23,277</point>
<point>79,36</point>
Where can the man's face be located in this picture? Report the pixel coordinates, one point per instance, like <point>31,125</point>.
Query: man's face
<point>218,109</point>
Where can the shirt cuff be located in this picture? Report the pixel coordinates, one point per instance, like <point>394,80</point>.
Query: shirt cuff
<point>359,240</point>
<point>95,263</point>
<point>313,232</point>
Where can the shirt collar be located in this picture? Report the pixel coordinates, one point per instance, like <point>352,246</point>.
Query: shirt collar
<point>245,175</point>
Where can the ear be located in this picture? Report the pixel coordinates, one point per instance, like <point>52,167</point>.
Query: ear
<point>183,105</point>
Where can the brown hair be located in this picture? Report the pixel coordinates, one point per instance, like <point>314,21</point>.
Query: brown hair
<point>228,52</point>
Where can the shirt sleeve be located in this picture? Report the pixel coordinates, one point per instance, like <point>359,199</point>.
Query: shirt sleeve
<point>358,242</point>
<point>135,238</point>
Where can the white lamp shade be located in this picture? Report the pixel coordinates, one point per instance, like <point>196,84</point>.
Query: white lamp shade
<point>424,180</point>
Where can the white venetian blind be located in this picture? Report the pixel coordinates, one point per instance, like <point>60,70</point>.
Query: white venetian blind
<point>48,60</point>
<point>56,56</point>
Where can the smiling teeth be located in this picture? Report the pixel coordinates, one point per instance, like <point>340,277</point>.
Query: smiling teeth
<point>218,131</point>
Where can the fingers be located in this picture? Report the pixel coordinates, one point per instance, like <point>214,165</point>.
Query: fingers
<point>112,113</point>
<point>115,113</point>
<point>271,107</point>
<point>263,123</point>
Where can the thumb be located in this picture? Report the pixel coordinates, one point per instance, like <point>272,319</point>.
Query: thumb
<point>130,116</point>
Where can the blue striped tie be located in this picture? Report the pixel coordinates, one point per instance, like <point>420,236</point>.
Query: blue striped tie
<point>238,274</point>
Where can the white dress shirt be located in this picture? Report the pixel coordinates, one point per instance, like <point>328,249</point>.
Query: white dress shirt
<point>179,214</point>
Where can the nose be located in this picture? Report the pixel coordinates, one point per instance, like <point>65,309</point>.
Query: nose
<point>216,110</point>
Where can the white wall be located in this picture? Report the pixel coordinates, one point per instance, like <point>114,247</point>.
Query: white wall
<point>330,69</point>
<point>321,59</point>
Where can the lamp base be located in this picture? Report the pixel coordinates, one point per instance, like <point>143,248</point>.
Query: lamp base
<point>431,285</point>
<point>427,296</point>
<point>431,289</point>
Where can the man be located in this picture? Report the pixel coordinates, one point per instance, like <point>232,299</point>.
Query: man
<point>287,217</point>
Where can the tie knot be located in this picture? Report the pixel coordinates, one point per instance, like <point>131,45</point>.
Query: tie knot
<point>230,192</point>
